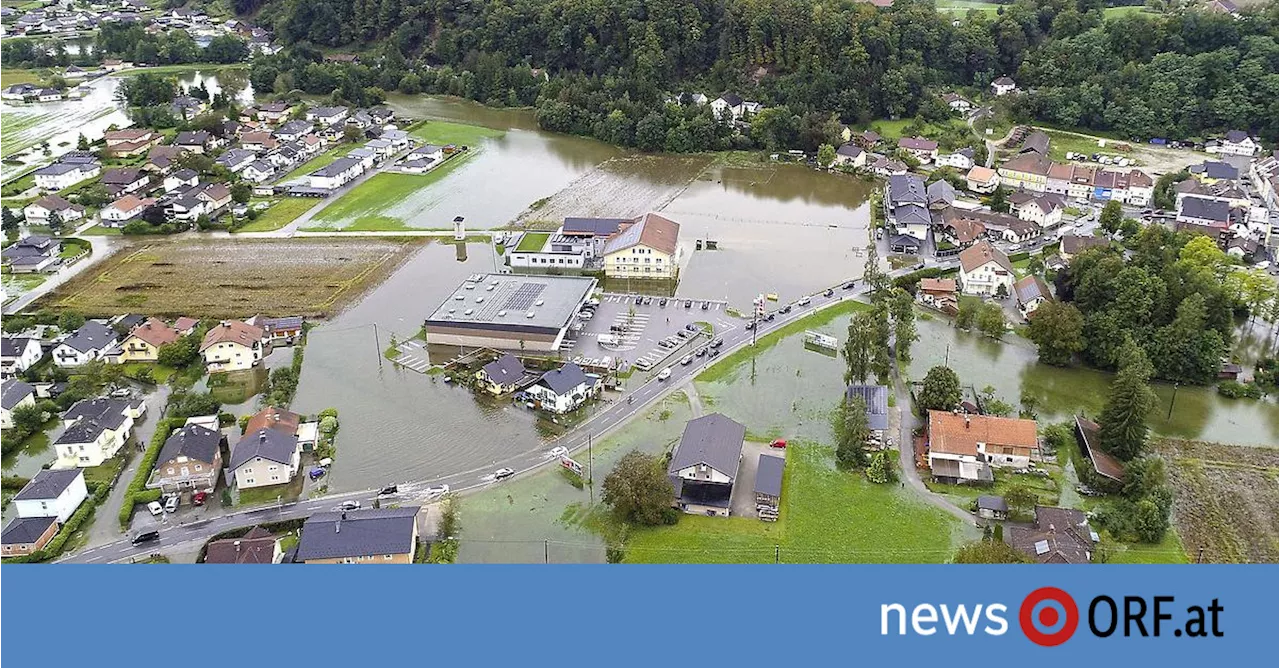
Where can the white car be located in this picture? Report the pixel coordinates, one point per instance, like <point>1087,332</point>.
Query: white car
<point>171,504</point>
<point>503,473</point>
<point>664,374</point>
<point>559,451</point>
<point>155,508</point>
<point>688,359</point>
<point>437,491</point>
<point>803,301</point>
<point>349,505</point>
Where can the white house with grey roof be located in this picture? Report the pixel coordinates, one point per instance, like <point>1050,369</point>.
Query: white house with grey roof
<point>87,344</point>
<point>336,174</point>
<point>52,493</point>
<point>265,457</point>
<point>704,466</point>
<point>17,354</point>
<point>15,395</point>
<point>95,430</point>
<point>62,175</point>
<point>562,390</point>
<point>368,536</point>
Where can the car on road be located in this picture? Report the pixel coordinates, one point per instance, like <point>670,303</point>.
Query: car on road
<point>389,490</point>
<point>155,508</point>
<point>664,374</point>
<point>769,318</point>
<point>779,443</point>
<point>199,498</point>
<point>688,303</point>
<point>687,360</point>
<point>691,327</point>
<point>145,537</point>
<point>715,352</point>
<point>828,293</point>
<point>662,302</point>
<point>717,343</point>
<point>785,309</point>
<point>437,491</point>
<point>701,352</point>
<point>750,326</point>
<point>586,315</point>
<point>350,505</point>
<point>171,504</point>
<point>559,451</point>
<point>850,285</point>
<point>706,305</point>
<point>503,473</point>
<point>122,393</point>
<point>804,301</point>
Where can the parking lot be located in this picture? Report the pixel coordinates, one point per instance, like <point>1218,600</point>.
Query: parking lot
<point>634,326</point>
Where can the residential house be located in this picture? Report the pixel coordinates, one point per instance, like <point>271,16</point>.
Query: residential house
<point>1223,7</point>
<point>769,469</point>
<point>904,244</point>
<point>55,493</point>
<point>217,196</point>
<point>982,179</point>
<point>961,159</point>
<point>17,354</point>
<point>19,92</point>
<point>1206,212</point>
<point>327,115</point>
<point>964,448</point>
<point>63,175</point>
<point>125,209</point>
<point>265,457</point>
<point>197,141</point>
<point>258,171</point>
<point>1029,171</point>
<point>236,159</point>
<point>1265,176</point>
<point>258,546</point>
<point>1045,210</point>
<point>992,507</point>
<point>959,229</point>
<point>1003,86</point>
<point>115,64</point>
<point>270,112</point>
<point>501,376</point>
<point>95,431</point>
<point>1237,142</point>
<point>258,142</point>
<point>183,178</point>
<point>1001,226</point>
<point>1075,244</point>
<point>924,150</point>
<point>851,155</point>
<point>232,346</point>
<point>41,210</point>
<point>186,206</point>
<point>1089,437</point>
<point>704,466</point>
<point>87,344</point>
<point>186,107</point>
<point>939,293</point>
<point>162,159</point>
<point>728,107</point>
<point>292,130</point>
<point>1212,171</point>
<point>876,399</point>
<point>189,461</point>
<point>31,254</point>
<point>1060,536</point>
<point>366,536</point>
<point>144,341</point>
<point>131,141</point>
<point>336,174</point>
<point>867,139</point>
<point>957,102</point>
<point>1031,292</point>
<point>279,330</point>
<point>26,535</point>
<point>985,270</point>
<point>367,157</point>
<point>121,181</point>
<point>14,395</point>
<point>647,247</point>
<point>884,166</point>
<point>48,95</point>
<point>1140,187</point>
<point>940,194</point>
<point>563,390</point>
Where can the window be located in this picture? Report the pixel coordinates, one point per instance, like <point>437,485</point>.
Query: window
<point>275,477</point>
<point>248,471</point>
<point>248,481</point>
<point>169,470</point>
<point>197,467</point>
<point>387,557</point>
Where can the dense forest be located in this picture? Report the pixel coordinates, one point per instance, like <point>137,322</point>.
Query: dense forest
<point>611,63</point>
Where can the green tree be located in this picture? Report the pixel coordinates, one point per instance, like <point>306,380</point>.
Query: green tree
<point>872,274</point>
<point>999,200</point>
<point>1124,418</point>
<point>1112,216</point>
<point>1187,350</point>
<point>967,313</point>
<point>993,405</point>
<point>881,362</point>
<point>70,321</point>
<point>1022,500</point>
<point>1057,328</point>
<point>904,323</point>
<point>27,419</point>
<point>241,192</point>
<point>180,353</point>
<point>826,155</point>
<point>638,490</point>
<point>857,349</point>
<point>852,431</point>
<point>940,390</point>
<point>880,471</point>
<point>991,321</point>
<point>989,552</point>
<point>82,142</point>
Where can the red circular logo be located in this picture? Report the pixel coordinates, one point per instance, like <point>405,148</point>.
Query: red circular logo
<point>1042,621</point>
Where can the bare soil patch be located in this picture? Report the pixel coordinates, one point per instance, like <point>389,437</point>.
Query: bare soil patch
<point>225,278</point>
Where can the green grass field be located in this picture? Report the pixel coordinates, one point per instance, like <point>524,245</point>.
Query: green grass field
<point>10,77</point>
<point>14,140</point>
<point>891,131</point>
<point>827,516</point>
<point>319,161</point>
<point>1168,551</point>
<point>283,212</point>
<point>364,204</point>
<point>965,6</point>
<point>100,231</point>
<point>532,242</point>
<point>441,132</point>
<point>726,366</point>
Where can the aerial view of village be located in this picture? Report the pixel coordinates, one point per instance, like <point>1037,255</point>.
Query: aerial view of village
<point>575,281</point>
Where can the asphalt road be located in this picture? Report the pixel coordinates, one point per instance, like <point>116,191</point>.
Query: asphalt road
<point>607,418</point>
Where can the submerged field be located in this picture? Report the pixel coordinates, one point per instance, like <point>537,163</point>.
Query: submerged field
<point>620,188</point>
<point>220,279</point>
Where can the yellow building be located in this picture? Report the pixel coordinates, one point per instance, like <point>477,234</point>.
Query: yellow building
<point>1029,171</point>
<point>647,247</point>
<point>143,343</point>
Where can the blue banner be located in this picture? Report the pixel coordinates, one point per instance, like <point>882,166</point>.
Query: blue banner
<point>635,615</point>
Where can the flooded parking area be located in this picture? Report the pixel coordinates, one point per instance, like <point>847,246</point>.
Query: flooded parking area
<point>650,330</point>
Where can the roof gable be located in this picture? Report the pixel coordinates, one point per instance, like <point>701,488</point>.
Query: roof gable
<point>714,440</point>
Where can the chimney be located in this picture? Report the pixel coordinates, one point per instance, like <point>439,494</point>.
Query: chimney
<point>237,544</point>
<point>262,434</point>
<point>966,421</point>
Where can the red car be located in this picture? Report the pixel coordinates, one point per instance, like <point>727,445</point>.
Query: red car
<point>780,443</point>
<point>198,498</point>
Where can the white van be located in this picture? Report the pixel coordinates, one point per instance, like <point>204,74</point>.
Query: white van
<point>607,340</point>
<point>664,374</point>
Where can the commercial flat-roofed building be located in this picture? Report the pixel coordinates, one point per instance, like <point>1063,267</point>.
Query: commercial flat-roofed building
<point>503,310</point>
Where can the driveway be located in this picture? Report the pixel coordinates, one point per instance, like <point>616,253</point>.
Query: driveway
<point>743,501</point>
<point>907,423</point>
<point>106,527</point>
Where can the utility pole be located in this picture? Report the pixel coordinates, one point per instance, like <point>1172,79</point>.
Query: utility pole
<point>377,342</point>
<point>546,554</point>
<point>777,554</point>
<point>947,359</point>
<point>1200,555</point>
<point>591,472</point>
<point>1171,400</point>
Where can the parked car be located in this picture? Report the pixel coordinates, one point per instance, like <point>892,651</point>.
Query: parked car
<point>437,491</point>
<point>687,360</point>
<point>350,505</point>
<point>780,443</point>
<point>171,504</point>
<point>122,393</point>
<point>316,472</point>
<point>155,508</point>
<point>750,326</point>
<point>715,352</point>
<point>692,327</point>
<point>145,537</point>
<point>717,343</point>
<point>648,301</point>
<point>701,352</point>
<point>706,305</point>
<point>199,498</point>
<point>664,374</point>
<point>785,309</point>
<point>503,473</point>
<point>688,303</point>
<point>662,302</point>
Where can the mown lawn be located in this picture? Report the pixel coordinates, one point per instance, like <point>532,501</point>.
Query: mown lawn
<point>1168,551</point>
<point>319,161</point>
<point>159,373</point>
<point>725,366</point>
<point>283,212</point>
<point>827,516</point>
<point>13,77</point>
<point>532,241</point>
<point>442,132</point>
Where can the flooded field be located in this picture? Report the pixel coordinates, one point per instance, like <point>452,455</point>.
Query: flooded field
<point>1013,368</point>
<point>619,188</point>
<point>222,278</point>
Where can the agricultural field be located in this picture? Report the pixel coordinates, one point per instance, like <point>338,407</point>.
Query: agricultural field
<point>220,279</point>
<point>621,187</point>
<point>1224,500</point>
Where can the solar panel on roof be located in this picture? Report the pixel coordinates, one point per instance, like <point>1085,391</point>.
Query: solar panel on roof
<point>524,296</point>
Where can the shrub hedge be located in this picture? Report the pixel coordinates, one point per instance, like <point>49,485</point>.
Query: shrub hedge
<point>138,492</point>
